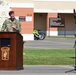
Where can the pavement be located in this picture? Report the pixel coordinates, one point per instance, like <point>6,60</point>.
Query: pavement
<point>41,70</point>
<point>50,43</point>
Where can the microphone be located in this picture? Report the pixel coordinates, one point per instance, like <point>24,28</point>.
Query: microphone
<point>74,13</point>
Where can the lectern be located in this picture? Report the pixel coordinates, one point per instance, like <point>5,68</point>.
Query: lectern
<point>11,51</point>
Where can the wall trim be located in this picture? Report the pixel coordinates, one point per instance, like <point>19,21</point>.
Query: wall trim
<point>55,0</point>
<point>52,11</point>
<point>27,37</point>
<point>67,32</point>
<point>52,33</point>
<point>21,5</point>
<point>57,33</point>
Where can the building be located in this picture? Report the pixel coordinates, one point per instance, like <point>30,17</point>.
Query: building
<point>35,14</point>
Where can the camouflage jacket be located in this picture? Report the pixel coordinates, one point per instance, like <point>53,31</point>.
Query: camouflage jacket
<point>7,25</point>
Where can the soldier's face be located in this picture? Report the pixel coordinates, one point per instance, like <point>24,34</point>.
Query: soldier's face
<point>12,15</point>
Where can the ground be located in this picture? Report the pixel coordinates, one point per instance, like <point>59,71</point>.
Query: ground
<point>51,43</point>
<point>48,43</point>
<point>41,70</point>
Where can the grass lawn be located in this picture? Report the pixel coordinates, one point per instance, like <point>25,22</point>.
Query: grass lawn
<point>49,57</point>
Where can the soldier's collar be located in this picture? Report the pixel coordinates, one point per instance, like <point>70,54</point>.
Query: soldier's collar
<point>11,20</point>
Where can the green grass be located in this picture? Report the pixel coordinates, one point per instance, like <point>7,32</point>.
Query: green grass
<point>49,57</point>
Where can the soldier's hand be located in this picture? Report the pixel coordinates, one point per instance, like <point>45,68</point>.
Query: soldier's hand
<point>13,27</point>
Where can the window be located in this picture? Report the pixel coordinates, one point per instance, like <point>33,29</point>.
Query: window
<point>22,18</point>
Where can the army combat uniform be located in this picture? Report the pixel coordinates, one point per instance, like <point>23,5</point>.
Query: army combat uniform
<point>7,25</point>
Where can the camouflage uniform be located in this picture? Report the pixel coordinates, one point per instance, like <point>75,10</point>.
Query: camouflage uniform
<point>7,25</point>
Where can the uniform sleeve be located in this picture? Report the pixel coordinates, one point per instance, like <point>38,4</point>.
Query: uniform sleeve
<point>19,27</point>
<point>3,26</point>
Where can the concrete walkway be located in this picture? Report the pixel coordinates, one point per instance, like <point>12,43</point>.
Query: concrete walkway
<point>48,43</point>
<point>41,70</point>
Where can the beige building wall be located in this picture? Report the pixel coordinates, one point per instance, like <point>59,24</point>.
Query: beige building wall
<point>20,1</point>
<point>55,5</point>
<point>69,24</point>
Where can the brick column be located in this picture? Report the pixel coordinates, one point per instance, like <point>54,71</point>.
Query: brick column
<point>51,31</point>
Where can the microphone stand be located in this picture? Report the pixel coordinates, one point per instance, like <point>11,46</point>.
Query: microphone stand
<point>74,44</point>
<point>75,60</point>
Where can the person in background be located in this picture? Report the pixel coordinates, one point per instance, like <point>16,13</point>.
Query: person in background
<point>11,24</point>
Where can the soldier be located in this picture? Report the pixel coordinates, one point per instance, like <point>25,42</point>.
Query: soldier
<point>11,24</point>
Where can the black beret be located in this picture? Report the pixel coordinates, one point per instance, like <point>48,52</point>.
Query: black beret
<point>11,12</point>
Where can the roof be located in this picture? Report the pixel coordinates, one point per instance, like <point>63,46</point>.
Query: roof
<point>19,1</point>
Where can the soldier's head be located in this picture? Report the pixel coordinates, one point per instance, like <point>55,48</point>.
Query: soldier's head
<point>12,14</point>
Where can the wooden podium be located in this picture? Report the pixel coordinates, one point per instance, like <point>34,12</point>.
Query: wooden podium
<point>11,51</point>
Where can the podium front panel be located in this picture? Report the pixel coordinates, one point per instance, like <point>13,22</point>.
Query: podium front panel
<point>11,51</point>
